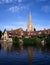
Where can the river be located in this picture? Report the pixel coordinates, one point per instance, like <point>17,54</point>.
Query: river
<point>10,55</point>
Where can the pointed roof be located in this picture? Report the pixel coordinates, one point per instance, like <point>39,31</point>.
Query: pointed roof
<point>30,17</point>
<point>30,26</point>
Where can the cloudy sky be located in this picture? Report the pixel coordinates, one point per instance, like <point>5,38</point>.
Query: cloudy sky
<point>14,13</point>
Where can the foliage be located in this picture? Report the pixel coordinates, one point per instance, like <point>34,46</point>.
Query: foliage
<point>27,42</point>
<point>42,35</point>
<point>48,41</point>
<point>15,41</point>
<point>0,34</point>
<point>35,41</point>
<point>34,29</point>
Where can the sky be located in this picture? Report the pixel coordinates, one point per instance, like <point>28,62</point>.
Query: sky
<point>14,14</point>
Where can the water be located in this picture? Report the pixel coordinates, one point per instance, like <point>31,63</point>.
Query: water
<point>10,55</point>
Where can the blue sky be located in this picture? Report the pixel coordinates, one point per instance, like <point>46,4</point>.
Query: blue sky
<point>14,14</point>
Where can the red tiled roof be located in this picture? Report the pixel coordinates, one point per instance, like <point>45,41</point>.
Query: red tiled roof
<point>20,30</point>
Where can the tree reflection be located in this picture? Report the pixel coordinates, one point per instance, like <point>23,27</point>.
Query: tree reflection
<point>46,50</point>
<point>8,47</point>
<point>20,49</point>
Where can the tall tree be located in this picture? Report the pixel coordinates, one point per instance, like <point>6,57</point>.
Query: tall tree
<point>0,34</point>
<point>34,29</point>
<point>43,35</point>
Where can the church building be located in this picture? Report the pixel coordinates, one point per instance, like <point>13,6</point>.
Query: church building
<point>30,26</point>
<point>8,35</point>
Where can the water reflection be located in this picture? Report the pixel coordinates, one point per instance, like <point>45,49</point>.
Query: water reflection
<point>46,50</point>
<point>0,46</point>
<point>30,51</point>
<point>7,47</point>
<point>34,55</point>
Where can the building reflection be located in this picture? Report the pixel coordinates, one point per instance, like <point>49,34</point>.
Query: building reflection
<point>7,47</point>
<point>30,51</point>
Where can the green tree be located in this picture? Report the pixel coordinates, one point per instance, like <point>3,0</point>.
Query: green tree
<point>35,41</point>
<point>34,29</point>
<point>27,42</point>
<point>43,35</point>
<point>48,41</point>
<point>15,41</point>
<point>0,34</point>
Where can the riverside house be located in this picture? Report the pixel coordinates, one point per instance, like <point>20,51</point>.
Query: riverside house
<point>8,35</point>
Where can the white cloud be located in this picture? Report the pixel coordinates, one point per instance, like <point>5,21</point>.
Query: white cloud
<point>10,1</point>
<point>45,9</point>
<point>18,8</point>
<point>6,1</point>
<point>14,9</point>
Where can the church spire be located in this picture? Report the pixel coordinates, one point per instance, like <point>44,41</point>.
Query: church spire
<point>30,26</point>
<point>30,17</point>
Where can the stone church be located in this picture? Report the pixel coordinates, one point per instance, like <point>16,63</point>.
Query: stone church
<point>8,35</point>
<point>30,26</point>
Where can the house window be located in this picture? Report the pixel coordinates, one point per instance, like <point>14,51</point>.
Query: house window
<point>9,32</point>
<point>10,36</point>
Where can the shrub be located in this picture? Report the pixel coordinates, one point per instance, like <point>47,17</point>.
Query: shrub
<point>15,41</point>
<point>42,35</point>
<point>35,41</point>
<point>0,34</point>
<point>48,41</point>
<point>27,42</point>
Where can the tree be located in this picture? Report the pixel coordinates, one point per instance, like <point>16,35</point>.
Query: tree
<point>15,41</point>
<point>35,41</point>
<point>43,35</point>
<point>48,41</point>
<point>0,34</point>
<point>34,29</point>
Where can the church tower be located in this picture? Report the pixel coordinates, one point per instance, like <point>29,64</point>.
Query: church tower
<point>30,26</point>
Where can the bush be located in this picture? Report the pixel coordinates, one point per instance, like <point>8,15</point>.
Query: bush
<point>35,41</point>
<point>48,41</point>
<point>27,42</point>
<point>0,34</point>
<point>15,41</point>
<point>42,35</point>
